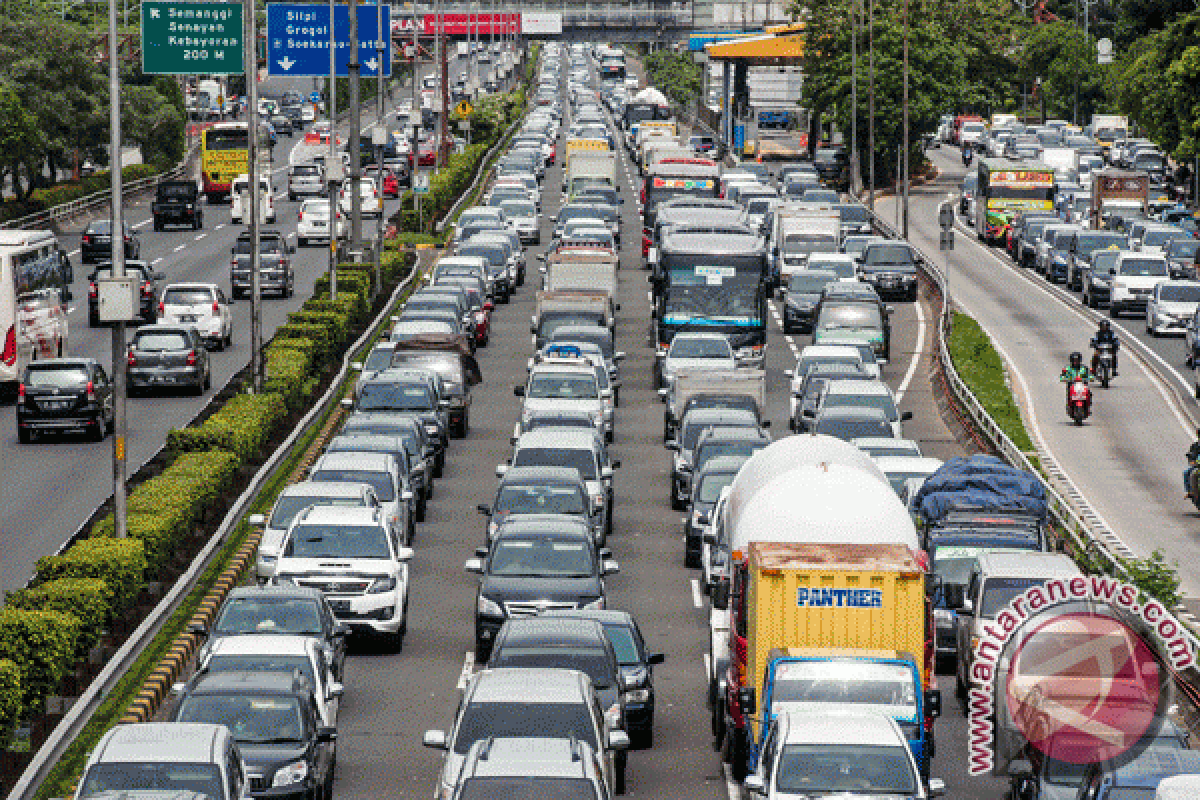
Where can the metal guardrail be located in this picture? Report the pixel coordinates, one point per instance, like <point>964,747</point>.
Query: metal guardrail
<point>80,713</point>
<point>1063,515</point>
<point>86,203</point>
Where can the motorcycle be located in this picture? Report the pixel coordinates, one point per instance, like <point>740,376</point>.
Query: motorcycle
<point>967,155</point>
<point>1079,401</point>
<point>1103,363</point>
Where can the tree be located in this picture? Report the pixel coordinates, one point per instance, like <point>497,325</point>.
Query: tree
<point>18,137</point>
<point>1158,85</point>
<point>1065,60</point>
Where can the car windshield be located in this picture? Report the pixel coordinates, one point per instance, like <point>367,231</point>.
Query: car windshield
<point>1158,238</point>
<point>849,316</point>
<point>203,779</point>
<point>809,283</point>
<point>381,482</point>
<point>593,661</point>
<point>847,429</point>
<point>1086,243</point>
<point>318,208</point>
<point>380,358</point>
<point>858,769</point>
<point>689,347</point>
<point>1183,249</point>
<point>563,386</point>
<point>266,614</point>
<point>288,506</point>
<point>531,788</point>
<point>884,402</point>
<point>999,592</point>
<point>380,396</point>
<point>582,460</point>
<point>188,297</point>
<point>540,720</point>
<point>519,208</point>
<point>157,342</point>
<point>541,558</point>
<point>540,500</point>
<point>56,377</point>
<point>251,718</point>
<point>1144,267</point>
<point>337,541</point>
<point>306,169</point>
<point>1180,293</point>
<point>261,662</point>
<point>888,254</point>
<point>743,448</point>
<point>846,682</point>
<point>710,487</point>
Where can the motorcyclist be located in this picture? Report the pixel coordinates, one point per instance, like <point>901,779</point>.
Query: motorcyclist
<point>967,155</point>
<point>1076,371</point>
<point>1105,336</point>
<point>1193,454</point>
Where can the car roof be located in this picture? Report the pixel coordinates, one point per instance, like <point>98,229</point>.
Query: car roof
<point>1026,564</point>
<point>527,475</point>
<point>188,742</point>
<point>565,438</point>
<point>729,433</point>
<point>551,631</point>
<point>607,616</point>
<point>700,335</point>
<point>852,412</point>
<point>258,681</point>
<point>842,386</point>
<point>350,459</point>
<point>841,727</point>
<point>326,489</point>
<point>521,756</point>
<point>339,515</point>
<point>863,442</point>
<point>524,685</point>
<point>528,524</point>
<point>269,590</point>
<point>272,644</point>
<point>715,416</point>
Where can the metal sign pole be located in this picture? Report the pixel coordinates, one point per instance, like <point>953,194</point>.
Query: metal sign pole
<point>355,134</point>
<point>334,166</point>
<point>118,272</point>
<point>251,50</point>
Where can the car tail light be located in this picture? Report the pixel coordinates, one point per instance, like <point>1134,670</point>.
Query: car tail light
<point>191,358</point>
<point>87,239</point>
<point>162,309</point>
<point>216,307</point>
<point>21,393</point>
<point>300,217</point>
<point>642,195</point>
<point>146,289</point>
<point>9,356</point>
<point>132,359</point>
<point>91,392</point>
<point>93,291</point>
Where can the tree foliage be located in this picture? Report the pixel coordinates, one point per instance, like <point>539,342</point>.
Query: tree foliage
<point>1065,60</point>
<point>676,75</point>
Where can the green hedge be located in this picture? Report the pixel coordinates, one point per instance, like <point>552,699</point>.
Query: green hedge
<point>289,375</point>
<point>42,199</point>
<point>120,563</point>
<point>10,701</point>
<point>159,533</point>
<point>41,644</point>
<point>242,426</point>
<point>87,599</point>
<point>336,323</point>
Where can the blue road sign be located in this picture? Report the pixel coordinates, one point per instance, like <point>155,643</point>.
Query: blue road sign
<point>298,40</point>
<point>315,97</point>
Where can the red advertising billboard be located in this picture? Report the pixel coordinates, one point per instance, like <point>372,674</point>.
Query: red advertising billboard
<point>460,24</point>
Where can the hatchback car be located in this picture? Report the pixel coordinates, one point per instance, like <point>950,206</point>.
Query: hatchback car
<point>164,356</point>
<point>95,244</point>
<point>305,179</point>
<point>202,306</point>
<point>60,395</point>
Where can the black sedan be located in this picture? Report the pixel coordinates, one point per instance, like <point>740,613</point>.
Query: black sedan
<point>95,245</point>
<point>62,395</point>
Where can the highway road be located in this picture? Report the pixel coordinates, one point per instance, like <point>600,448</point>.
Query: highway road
<point>55,484</point>
<point>1124,464</point>
<point>391,698</point>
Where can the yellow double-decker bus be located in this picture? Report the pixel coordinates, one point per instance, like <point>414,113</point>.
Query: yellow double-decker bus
<point>224,155</point>
<point>1006,187</point>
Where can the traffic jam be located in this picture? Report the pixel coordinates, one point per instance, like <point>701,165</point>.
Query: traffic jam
<point>526,630</point>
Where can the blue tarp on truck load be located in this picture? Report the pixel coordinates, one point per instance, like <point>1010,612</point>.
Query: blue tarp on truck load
<point>980,483</point>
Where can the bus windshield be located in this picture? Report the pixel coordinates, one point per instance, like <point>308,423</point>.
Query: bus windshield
<point>226,139</point>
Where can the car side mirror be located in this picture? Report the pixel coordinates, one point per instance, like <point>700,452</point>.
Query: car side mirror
<point>933,702</point>
<point>672,445</point>
<point>703,518</point>
<point>606,473</point>
<point>888,310</point>
<point>404,553</point>
<point>809,413</point>
<point>519,391</point>
<point>618,740</point>
<point>606,393</point>
<point>406,495</point>
<point>335,690</point>
<point>158,276</point>
<point>616,463</point>
<point>501,469</point>
<point>325,734</point>
<point>967,609</point>
<point>356,366</point>
<point>485,509</point>
<point>435,740</point>
<point>291,249</point>
<point>198,629</point>
<point>766,423</point>
<point>754,785</point>
<point>257,520</point>
<point>481,552</point>
<point>906,415</point>
<point>347,402</point>
<point>937,787</point>
<point>474,565</point>
<point>655,658</point>
<point>443,404</point>
<point>611,567</point>
<point>710,539</point>
<point>605,552</point>
<point>790,373</point>
<point>342,630</point>
<point>662,394</point>
<point>618,357</point>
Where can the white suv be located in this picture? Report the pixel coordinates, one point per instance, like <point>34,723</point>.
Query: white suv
<point>355,558</point>
<point>204,306</point>
<point>1134,277</point>
<point>381,472</point>
<point>566,384</point>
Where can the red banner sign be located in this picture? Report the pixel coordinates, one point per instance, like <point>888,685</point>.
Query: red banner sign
<point>460,24</point>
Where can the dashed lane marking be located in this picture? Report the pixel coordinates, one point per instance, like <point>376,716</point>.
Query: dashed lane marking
<point>916,357</point>
<point>467,668</point>
<point>697,595</point>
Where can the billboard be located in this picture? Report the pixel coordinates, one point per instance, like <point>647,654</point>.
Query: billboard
<point>541,22</point>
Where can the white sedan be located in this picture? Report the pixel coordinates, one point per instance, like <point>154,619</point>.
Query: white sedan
<point>313,222</point>
<point>372,201</point>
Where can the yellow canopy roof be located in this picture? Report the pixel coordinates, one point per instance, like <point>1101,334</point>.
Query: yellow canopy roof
<point>780,45</point>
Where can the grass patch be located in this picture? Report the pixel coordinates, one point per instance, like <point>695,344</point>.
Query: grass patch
<point>64,776</point>
<point>982,369</point>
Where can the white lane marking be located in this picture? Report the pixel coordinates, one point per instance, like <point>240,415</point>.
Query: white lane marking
<point>143,223</point>
<point>916,357</point>
<point>177,249</point>
<point>707,666</point>
<point>731,787</point>
<point>200,236</point>
<point>697,597</point>
<point>1068,302</point>
<point>222,225</point>
<point>155,261</point>
<point>468,666</point>
<point>74,252</point>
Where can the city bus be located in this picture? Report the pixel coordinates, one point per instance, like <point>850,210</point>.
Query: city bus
<point>224,156</point>
<point>35,274</point>
<point>1006,187</point>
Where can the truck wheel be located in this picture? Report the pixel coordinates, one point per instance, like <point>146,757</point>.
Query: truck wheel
<point>620,762</point>
<point>738,751</point>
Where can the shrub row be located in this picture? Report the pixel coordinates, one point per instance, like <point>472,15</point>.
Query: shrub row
<point>10,700</point>
<point>243,425</point>
<point>43,199</point>
<point>42,644</point>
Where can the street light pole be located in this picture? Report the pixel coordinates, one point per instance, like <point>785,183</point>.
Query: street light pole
<point>905,123</point>
<point>380,139</point>
<point>355,134</point>
<point>855,174</point>
<point>333,169</point>
<point>118,272</point>
<point>871,102</point>
<point>256,360</point>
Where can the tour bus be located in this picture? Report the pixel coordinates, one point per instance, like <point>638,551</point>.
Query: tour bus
<point>35,275</point>
<point>224,156</point>
<point>1006,187</point>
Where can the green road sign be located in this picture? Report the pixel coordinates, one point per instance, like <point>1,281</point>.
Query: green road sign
<point>185,38</point>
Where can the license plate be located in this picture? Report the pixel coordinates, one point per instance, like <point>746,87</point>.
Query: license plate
<point>339,605</point>
<point>55,405</point>
<point>188,317</point>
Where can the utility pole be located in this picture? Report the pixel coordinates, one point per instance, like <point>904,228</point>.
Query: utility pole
<point>855,173</point>
<point>334,165</point>
<point>354,134</point>
<point>251,50</point>
<point>905,123</point>
<point>444,140</point>
<point>379,139</point>
<point>871,102</point>
<point>118,272</point>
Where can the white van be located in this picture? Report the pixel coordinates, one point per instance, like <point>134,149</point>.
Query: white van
<point>240,200</point>
<point>35,276</point>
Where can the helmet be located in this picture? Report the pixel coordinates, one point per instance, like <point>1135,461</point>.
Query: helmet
<point>1076,359</point>
<point>1105,325</point>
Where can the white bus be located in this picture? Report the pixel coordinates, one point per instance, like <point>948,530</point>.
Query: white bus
<point>35,277</point>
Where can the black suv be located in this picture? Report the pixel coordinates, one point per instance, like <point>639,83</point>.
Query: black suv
<point>64,394</point>
<point>527,572</point>
<point>148,294</point>
<point>273,716</point>
<point>177,203</point>
<point>95,244</point>
<point>891,267</point>
<point>294,610</point>
<point>276,267</point>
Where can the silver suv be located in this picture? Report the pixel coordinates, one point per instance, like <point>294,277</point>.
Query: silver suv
<point>553,704</point>
<point>579,449</point>
<point>132,757</point>
<point>533,767</point>
<point>305,179</point>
